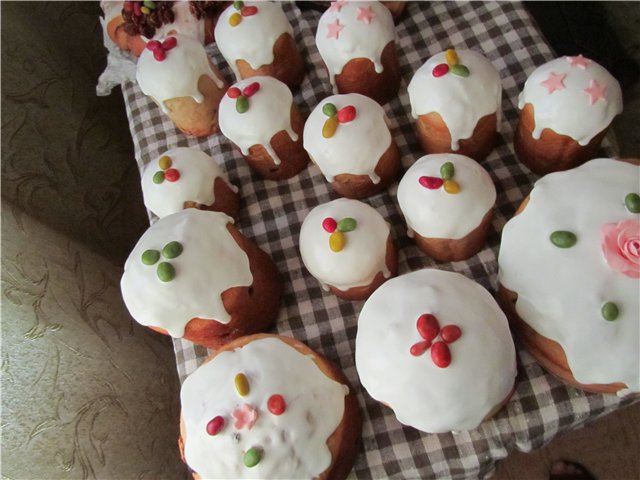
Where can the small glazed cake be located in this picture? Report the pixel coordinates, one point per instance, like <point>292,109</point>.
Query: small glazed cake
<point>456,101</point>
<point>258,115</point>
<point>348,138</point>
<point>347,246</point>
<point>193,275</point>
<point>267,406</point>
<point>435,347</point>
<point>178,75</point>
<point>566,106</point>
<point>447,201</point>
<point>357,43</point>
<point>187,178</point>
<point>256,38</point>
<point>570,275</point>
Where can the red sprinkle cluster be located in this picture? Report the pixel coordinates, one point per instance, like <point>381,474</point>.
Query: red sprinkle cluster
<point>160,49</point>
<point>429,329</point>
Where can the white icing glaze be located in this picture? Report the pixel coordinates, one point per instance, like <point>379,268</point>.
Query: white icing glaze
<point>294,444</point>
<point>356,146</point>
<point>422,395</point>
<point>177,75</point>
<point>364,254</point>
<point>184,23</point>
<point>356,39</point>
<point>460,101</point>
<point>211,262</point>
<point>269,113</point>
<point>253,39</point>
<point>438,214</point>
<point>567,111</point>
<point>198,172</point>
<point>561,290</point>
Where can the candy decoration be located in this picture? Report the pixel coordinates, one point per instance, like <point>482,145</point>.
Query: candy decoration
<point>145,10</point>
<point>242,104</point>
<point>169,174</point>
<point>347,224</point>
<point>447,171</point>
<point>149,4</point>
<point>563,239</point>
<point>245,416</point>
<point>252,457</point>
<point>169,43</point>
<point>172,175</point>
<point>160,49</point>
<point>344,115</point>
<point>136,9</point>
<point>451,186</point>
<point>158,177</point>
<point>440,354</point>
<point>451,56</point>
<point>432,183</point>
<point>450,333</point>
<point>215,425</point>
<point>419,348</point>
<point>238,5</point>
<point>248,11</point>
<point>276,404</point>
<point>595,92</point>
<point>329,127</point>
<point>236,18</point>
<point>428,326</point>
<point>460,70</point>
<point>440,70</point>
<point>632,202</point>
<point>165,272</point>
<point>337,229</point>
<point>337,241</point>
<point>165,162</point>
<point>150,257</point>
<point>329,225</point>
<point>242,384</point>
<point>610,311</point>
<point>453,65</point>
<point>329,109</point>
<point>251,89</point>
<point>429,329</point>
<point>172,250</point>
<point>242,97</point>
<point>234,92</point>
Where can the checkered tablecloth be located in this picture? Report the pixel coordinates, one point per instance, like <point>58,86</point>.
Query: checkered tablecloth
<point>272,213</point>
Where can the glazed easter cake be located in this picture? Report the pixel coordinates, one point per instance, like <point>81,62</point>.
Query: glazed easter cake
<point>347,246</point>
<point>193,275</point>
<point>570,275</point>
<point>435,347</point>
<point>185,177</point>
<point>456,101</point>
<point>267,406</point>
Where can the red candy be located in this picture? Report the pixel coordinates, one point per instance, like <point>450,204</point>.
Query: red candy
<point>329,225</point>
<point>215,425</point>
<point>159,54</point>
<point>346,114</point>
<point>171,175</point>
<point>276,404</point>
<point>428,327</point>
<point>419,348</point>
<point>170,43</point>
<point>248,11</point>
<point>234,92</point>
<point>136,9</point>
<point>432,183</point>
<point>440,70</point>
<point>251,89</point>
<point>127,7</point>
<point>154,45</point>
<point>440,354</point>
<point>450,333</point>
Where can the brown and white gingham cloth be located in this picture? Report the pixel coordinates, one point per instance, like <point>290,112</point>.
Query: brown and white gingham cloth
<point>272,213</point>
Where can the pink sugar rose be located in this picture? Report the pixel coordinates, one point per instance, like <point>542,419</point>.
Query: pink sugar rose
<point>245,416</point>
<point>621,246</point>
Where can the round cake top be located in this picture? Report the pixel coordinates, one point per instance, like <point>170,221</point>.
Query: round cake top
<point>347,134</point>
<point>572,96</point>
<point>171,68</point>
<point>177,176</point>
<point>253,111</point>
<point>349,30</point>
<point>344,243</point>
<point>435,347</point>
<point>264,401</point>
<point>573,257</point>
<point>460,85</point>
<point>445,195</point>
<point>248,31</point>
<point>179,269</point>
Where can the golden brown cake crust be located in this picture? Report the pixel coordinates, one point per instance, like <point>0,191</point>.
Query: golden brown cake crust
<point>226,200</point>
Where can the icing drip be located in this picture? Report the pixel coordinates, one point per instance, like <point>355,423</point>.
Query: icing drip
<point>587,92</point>
<point>269,113</point>
<point>561,291</point>
<point>460,101</point>
<point>437,213</point>
<point>344,34</point>
<point>177,75</point>
<point>294,444</point>
<point>211,263</point>
<point>355,147</point>
<point>253,39</point>
<point>363,255</point>
<point>422,394</point>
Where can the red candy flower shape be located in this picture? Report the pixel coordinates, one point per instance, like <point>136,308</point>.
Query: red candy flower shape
<point>621,247</point>
<point>160,49</point>
<point>429,329</point>
<point>245,416</point>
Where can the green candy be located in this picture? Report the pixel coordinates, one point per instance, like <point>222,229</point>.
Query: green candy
<point>610,311</point>
<point>149,4</point>
<point>172,250</point>
<point>347,224</point>
<point>166,272</point>
<point>158,177</point>
<point>252,457</point>
<point>447,171</point>
<point>459,70</point>
<point>329,109</point>
<point>563,239</point>
<point>149,257</point>
<point>238,5</point>
<point>632,201</point>
<point>242,104</point>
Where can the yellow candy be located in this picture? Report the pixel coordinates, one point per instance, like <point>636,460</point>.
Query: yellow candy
<point>165,162</point>
<point>329,127</point>
<point>242,384</point>
<point>337,241</point>
<point>451,186</point>
<point>235,19</point>
<point>451,56</point>
<point>145,10</point>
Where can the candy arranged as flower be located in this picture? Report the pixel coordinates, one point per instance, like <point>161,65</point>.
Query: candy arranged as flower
<point>160,49</point>
<point>241,11</point>
<point>337,240</point>
<point>452,65</point>
<point>336,117</point>
<point>242,97</point>
<point>165,270</point>
<point>447,170</point>
<point>139,8</point>
<point>429,329</point>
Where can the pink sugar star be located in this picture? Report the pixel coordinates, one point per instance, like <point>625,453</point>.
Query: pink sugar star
<point>334,29</point>
<point>336,6</point>
<point>554,82</point>
<point>579,62</point>
<point>245,416</point>
<point>366,15</point>
<point>595,92</point>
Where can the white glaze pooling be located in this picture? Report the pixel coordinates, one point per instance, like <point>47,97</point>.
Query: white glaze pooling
<point>269,113</point>
<point>211,262</point>
<point>357,39</point>
<point>561,290</point>
<point>438,214</point>
<point>254,38</point>
<point>365,251</point>
<point>357,146</point>
<point>460,101</point>
<point>567,111</point>
<point>177,75</point>
<point>184,23</point>
<point>422,395</point>
<point>294,444</point>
